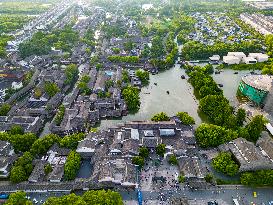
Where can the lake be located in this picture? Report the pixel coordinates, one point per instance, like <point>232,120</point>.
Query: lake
<point>154,98</point>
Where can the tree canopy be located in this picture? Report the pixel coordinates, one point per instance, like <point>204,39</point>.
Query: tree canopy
<point>72,165</point>
<point>95,197</point>
<point>18,198</point>
<point>160,149</point>
<point>209,135</point>
<point>131,97</point>
<point>162,116</point>
<point>185,118</point>
<point>225,164</point>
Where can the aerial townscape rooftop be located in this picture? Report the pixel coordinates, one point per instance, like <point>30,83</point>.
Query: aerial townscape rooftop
<point>136,102</point>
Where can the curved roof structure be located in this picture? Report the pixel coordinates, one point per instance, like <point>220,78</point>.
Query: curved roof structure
<point>260,82</point>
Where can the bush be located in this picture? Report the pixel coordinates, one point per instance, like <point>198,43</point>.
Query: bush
<point>160,117</point>
<point>173,160</point>
<point>257,178</point>
<point>209,178</point>
<point>137,160</point>
<point>47,169</point>
<point>4,109</point>
<point>181,179</point>
<point>160,149</point>
<point>185,118</point>
<point>143,152</point>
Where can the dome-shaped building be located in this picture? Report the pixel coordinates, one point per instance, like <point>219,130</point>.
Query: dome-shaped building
<point>256,87</point>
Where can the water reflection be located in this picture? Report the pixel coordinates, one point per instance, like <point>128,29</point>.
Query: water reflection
<point>154,98</point>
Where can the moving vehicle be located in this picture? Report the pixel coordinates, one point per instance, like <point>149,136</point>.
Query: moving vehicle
<point>255,194</point>
<point>236,202</point>
<point>4,196</point>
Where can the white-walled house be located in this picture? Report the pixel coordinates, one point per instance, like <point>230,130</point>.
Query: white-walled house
<point>260,57</point>
<point>230,60</point>
<point>239,55</point>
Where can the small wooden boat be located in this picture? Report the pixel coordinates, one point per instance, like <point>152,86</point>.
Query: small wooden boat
<point>155,83</point>
<point>183,77</point>
<point>168,92</point>
<point>217,72</point>
<point>220,85</point>
<point>236,72</point>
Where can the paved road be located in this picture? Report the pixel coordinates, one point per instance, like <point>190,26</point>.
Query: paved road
<point>226,193</point>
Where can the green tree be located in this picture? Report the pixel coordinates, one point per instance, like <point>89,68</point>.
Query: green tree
<point>160,149</point>
<point>22,142</point>
<point>47,169</point>
<point>137,160</point>
<point>162,116</point>
<point>209,135</point>
<point>66,199</point>
<point>41,145</point>
<point>185,118</point>
<point>4,109</point>
<point>71,141</point>
<point>60,115</point>
<point>125,76</point>
<point>18,198</point>
<point>225,164</point>
<point>143,152</point>
<point>255,127</point>
<point>209,178</point>
<point>37,93</point>
<point>257,178</point>
<point>217,108</point>
<point>16,129</point>
<point>240,117</point>
<point>18,174</point>
<point>72,165</point>
<point>102,197</point>
<point>181,179</point>
<point>173,160</point>
<point>51,88</point>
<point>143,76</point>
<point>71,74</point>
<point>131,97</point>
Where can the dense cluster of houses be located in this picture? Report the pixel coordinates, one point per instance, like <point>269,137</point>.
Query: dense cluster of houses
<point>7,158</point>
<point>82,110</point>
<point>211,27</point>
<point>261,23</point>
<point>263,5</point>
<point>110,154</point>
<point>111,151</point>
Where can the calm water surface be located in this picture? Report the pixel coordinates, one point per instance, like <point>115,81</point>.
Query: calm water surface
<point>154,98</point>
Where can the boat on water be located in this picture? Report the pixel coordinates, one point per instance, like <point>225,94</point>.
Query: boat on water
<point>155,83</point>
<point>167,92</point>
<point>220,85</point>
<point>147,93</point>
<point>183,77</point>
